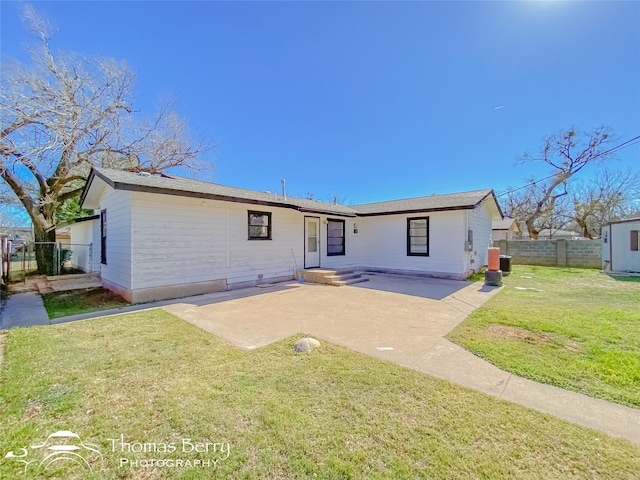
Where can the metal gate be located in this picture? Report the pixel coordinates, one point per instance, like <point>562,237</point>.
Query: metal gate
<point>19,259</point>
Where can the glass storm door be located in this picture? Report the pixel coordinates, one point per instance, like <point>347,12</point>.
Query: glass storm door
<point>311,242</point>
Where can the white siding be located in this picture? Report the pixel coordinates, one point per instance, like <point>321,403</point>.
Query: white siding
<point>156,242</point>
<point>85,245</point>
<point>351,258</point>
<point>118,267</point>
<point>180,240</point>
<point>383,242</point>
<point>480,224</point>
<point>623,258</point>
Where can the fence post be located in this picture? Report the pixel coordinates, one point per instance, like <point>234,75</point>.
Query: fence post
<point>4,260</point>
<point>561,252</point>
<point>24,264</point>
<point>56,257</point>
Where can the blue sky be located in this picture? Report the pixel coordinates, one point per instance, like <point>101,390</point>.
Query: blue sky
<point>369,100</point>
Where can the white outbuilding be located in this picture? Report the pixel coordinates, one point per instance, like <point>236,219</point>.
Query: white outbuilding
<point>621,246</point>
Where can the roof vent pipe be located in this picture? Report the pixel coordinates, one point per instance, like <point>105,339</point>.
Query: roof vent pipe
<point>284,190</point>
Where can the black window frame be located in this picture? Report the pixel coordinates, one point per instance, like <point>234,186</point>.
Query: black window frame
<point>330,244</point>
<point>269,225</point>
<point>409,237</point>
<point>635,240</point>
<point>103,236</point>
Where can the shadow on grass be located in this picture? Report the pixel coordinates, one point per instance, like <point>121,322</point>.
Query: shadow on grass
<point>624,278</point>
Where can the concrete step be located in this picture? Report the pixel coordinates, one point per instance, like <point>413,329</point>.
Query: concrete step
<point>344,271</point>
<point>346,278</point>
<point>336,278</point>
<point>349,276</point>
<point>80,281</point>
<point>357,280</point>
<point>76,277</point>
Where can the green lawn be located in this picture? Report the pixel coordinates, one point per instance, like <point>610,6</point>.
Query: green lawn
<point>74,302</point>
<point>150,378</point>
<point>574,328</point>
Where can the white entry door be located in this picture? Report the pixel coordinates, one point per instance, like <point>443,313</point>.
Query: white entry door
<point>311,242</point>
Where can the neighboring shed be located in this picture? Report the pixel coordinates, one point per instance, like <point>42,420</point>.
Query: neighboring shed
<point>82,238</point>
<point>166,236</point>
<point>621,246</point>
<point>506,229</point>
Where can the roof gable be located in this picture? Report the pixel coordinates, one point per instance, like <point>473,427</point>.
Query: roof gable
<point>505,224</point>
<point>431,203</point>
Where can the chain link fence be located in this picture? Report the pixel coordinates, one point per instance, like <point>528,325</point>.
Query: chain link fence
<point>19,259</point>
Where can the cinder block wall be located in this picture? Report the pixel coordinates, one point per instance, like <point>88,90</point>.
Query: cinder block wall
<point>554,253</point>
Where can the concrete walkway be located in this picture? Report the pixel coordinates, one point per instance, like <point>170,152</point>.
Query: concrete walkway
<point>399,319</point>
<point>23,309</point>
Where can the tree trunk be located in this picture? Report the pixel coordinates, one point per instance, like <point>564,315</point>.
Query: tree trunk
<point>44,249</point>
<point>533,231</point>
<point>582,223</point>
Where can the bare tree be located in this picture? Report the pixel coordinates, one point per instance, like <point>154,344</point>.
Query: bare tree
<point>11,211</point>
<point>559,218</point>
<point>610,197</point>
<point>64,113</point>
<point>566,154</point>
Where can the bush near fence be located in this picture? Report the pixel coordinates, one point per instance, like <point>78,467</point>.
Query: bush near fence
<point>554,253</point>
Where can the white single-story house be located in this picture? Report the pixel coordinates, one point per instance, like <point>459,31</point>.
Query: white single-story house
<point>166,237</point>
<point>621,246</point>
<point>505,229</point>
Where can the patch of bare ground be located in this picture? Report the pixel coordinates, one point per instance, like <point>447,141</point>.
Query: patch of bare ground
<point>517,333</point>
<point>34,408</point>
<point>538,338</point>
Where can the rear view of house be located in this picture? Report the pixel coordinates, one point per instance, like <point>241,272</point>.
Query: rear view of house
<point>166,237</point>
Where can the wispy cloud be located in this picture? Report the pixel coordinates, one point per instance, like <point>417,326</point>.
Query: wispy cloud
<point>499,107</point>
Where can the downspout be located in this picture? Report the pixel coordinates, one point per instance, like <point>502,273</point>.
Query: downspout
<point>467,252</point>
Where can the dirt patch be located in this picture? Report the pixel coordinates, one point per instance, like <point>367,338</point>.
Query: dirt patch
<point>92,297</point>
<point>538,338</point>
<point>517,333</point>
<point>75,302</point>
<point>33,409</point>
<point>102,296</point>
<point>574,346</point>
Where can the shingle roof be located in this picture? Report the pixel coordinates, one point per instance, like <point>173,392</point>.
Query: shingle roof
<point>504,224</point>
<point>452,201</point>
<point>173,185</point>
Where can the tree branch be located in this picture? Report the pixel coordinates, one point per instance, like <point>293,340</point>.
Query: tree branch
<point>8,150</point>
<point>16,185</point>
